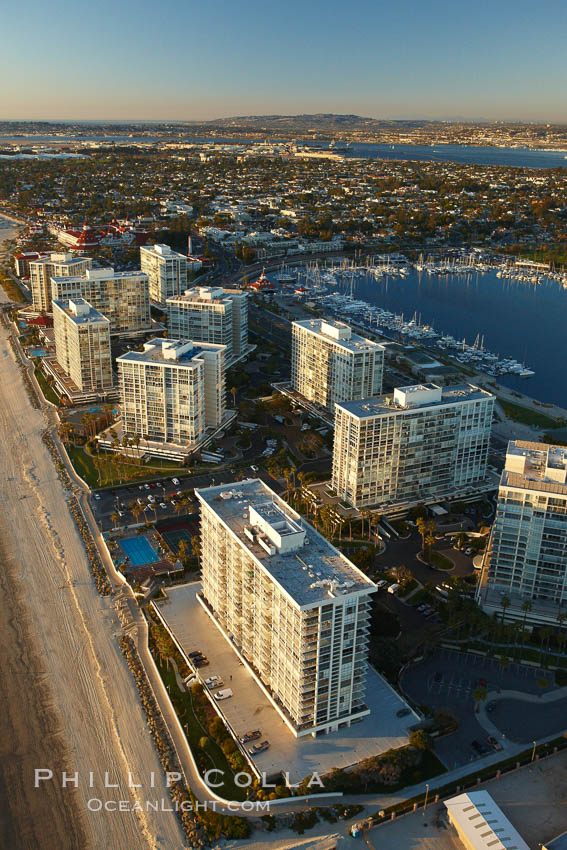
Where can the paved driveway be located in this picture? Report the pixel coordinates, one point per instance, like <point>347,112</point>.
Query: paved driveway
<point>448,679</point>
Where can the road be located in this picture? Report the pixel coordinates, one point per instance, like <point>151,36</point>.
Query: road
<point>68,699</point>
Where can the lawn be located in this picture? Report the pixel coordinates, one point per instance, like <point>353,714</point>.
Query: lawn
<point>110,474</point>
<point>440,561</point>
<point>48,391</point>
<point>526,415</point>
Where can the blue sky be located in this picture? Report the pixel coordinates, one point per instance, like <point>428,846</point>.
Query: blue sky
<point>197,59</point>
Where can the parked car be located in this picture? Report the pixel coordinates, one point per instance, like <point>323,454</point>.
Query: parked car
<point>403,712</point>
<point>195,654</point>
<point>468,551</point>
<point>494,743</point>
<point>380,584</point>
<point>146,486</point>
<point>97,496</point>
<point>254,468</point>
<point>163,505</point>
<point>175,481</point>
<point>250,736</point>
<point>225,694</point>
<point>259,748</point>
<point>203,661</point>
<point>479,748</point>
<point>214,682</point>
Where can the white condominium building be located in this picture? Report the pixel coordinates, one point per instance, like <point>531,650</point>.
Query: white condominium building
<point>166,270</point>
<point>54,265</point>
<point>123,297</point>
<point>172,391</point>
<point>330,363</point>
<point>82,344</point>
<point>421,443</point>
<point>526,558</point>
<point>211,314</point>
<point>294,608</point>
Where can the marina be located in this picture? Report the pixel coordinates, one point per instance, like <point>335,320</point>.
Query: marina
<point>501,317</point>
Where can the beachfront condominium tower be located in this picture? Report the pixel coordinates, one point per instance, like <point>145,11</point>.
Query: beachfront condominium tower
<point>294,608</point>
<point>82,344</point>
<point>53,265</point>
<point>123,297</point>
<point>420,444</point>
<point>166,270</point>
<point>330,363</point>
<point>211,314</point>
<point>172,391</point>
<point>526,559</point>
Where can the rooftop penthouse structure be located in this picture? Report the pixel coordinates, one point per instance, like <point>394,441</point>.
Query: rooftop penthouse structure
<point>330,363</point>
<point>166,270</point>
<point>421,443</point>
<point>123,297</point>
<point>292,605</point>
<point>63,265</point>
<point>211,314</point>
<point>526,559</point>
<point>172,391</point>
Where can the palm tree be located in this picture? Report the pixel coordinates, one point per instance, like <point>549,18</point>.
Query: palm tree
<point>479,695</point>
<point>505,603</point>
<point>115,519</point>
<point>233,392</point>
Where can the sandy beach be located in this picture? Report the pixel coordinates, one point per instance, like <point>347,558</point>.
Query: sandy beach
<point>67,700</point>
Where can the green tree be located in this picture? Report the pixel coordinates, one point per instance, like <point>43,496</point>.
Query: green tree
<point>420,740</point>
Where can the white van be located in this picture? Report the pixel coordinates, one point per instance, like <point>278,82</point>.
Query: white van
<point>394,588</point>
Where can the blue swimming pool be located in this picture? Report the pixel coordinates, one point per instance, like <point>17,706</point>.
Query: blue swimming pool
<point>139,551</point>
<point>38,352</point>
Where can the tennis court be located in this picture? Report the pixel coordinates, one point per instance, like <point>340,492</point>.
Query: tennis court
<point>174,536</point>
<point>139,551</point>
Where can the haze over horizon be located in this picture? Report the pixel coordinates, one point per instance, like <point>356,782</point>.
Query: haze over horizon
<point>132,62</point>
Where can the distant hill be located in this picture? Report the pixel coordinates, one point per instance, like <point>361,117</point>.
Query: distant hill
<point>320,122</point>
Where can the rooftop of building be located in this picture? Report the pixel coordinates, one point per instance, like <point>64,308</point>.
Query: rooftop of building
<point>414,397</point>
<point>60,258</point>
<point>203,295</point>
<point>161,250</point>
<point>80,312</point>
<point>169,351</point>
<point>107,273</point>
<point>302,562</point>
<point>483,823</point>
<point>536,466</point>
<point>339,333</point>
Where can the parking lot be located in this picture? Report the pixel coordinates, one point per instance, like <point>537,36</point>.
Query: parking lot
<point>250,709</point>
<point>448,679</point>
<point>108,501</point>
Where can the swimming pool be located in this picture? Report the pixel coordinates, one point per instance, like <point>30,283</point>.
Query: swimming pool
<point>38,352</point>
<point>139,551</point>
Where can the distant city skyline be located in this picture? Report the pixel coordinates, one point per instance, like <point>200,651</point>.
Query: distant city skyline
<point>189,61</point>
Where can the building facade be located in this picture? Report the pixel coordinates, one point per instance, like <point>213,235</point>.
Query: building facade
<point>123,297</point>
<point>166,270</point>
<point>54,265</point>
<point>82,345</point>
<point>172,391</point>
<point>526,559</point>
<point>294,608</point>
<point>330,363</point>
<point>422,443</point>
<point>211,314</point>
